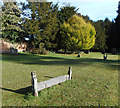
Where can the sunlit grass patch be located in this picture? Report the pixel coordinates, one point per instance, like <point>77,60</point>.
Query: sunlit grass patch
<point>94,81</point>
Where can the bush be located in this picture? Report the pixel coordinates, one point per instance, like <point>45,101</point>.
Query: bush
<point>45,52</point>
<point>39,51</point>
<point>113,51</point>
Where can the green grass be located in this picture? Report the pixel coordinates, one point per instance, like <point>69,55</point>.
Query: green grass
<point>91,75</point>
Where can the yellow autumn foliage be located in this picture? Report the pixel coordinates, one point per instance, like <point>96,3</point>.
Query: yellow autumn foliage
<point>78,34</point>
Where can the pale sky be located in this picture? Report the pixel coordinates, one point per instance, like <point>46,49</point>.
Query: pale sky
<point>95,9</point>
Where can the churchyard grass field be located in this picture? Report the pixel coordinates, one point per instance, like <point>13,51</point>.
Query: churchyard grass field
<point>94,81</point>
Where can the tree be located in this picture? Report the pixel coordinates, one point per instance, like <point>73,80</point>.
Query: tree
<point>11,21</point>
<point>76,34</point>
<point>65,13</point>
<point>49,24</point>
<point>31,23</point>
<point>117,26</point>
<point>100,42</point>
<point>114,32</point>
<point>41,25</point>
<point>111,39</point>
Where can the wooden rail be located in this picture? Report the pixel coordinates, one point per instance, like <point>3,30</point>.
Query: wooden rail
<point>37,86</point>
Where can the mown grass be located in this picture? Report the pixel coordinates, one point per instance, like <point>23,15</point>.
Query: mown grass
<point>94,81</point>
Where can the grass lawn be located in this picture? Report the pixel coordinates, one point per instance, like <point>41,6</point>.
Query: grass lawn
<point>94,81</point>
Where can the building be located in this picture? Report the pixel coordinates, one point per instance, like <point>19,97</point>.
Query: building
<point>11,48</point>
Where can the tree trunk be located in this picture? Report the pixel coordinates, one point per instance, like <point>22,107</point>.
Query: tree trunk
<point>65,50</point>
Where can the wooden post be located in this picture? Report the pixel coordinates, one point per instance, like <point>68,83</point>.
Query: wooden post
<point>69,73</point>
<point>34,84</point>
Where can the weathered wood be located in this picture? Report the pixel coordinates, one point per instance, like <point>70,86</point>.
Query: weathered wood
<point>37,86</point>
<point>70,73</point>
<point>32,80</point>
<point>34,84</point>
<point>51,82</point>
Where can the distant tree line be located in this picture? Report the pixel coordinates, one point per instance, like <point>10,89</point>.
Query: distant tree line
<point>48,27</point>
<point>107,33</point>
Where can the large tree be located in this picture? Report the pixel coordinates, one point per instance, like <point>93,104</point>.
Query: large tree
<point>114,32</point>
<point>65,13</point>
<point>76,34</point>
<point>41,25</point>
<point>111,39</point>
<point>30,23</point>
<point>11,21</point>
<point>100,42</point>
<point>49,23</point>
<point>117,26</point>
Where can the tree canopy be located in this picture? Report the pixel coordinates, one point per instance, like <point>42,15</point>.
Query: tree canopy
<point>76,34</point>
<point>11,21</point>
<point>42,23</point>
<point>66,12</point>
<point>53,28</point>
<point>117,25</point>
<point>100,42</point>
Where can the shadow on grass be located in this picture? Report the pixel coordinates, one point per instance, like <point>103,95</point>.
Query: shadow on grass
<point>31,59</point>
<point>24,91</point>
<point>49,60</point>
<point>27,92</point>
<point>48,77</point>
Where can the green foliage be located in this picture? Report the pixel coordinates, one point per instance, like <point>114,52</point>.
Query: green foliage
<point>76,34</point>
<point>31,25</point>
<point>103,29</point>
<point>117,29</point>
<point>114,32</point>
<point>66,12</point>
<point>11,20</point>
<point>39,51</point>
<point>57,28</point>
<point>42,24</point>
<point>100,36</point>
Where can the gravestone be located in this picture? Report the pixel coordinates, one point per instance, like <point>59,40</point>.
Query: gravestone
<point>14,51</point>
<point>105,56</point>
<point>78,55</point>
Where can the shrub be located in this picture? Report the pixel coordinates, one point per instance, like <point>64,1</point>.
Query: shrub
<point>39,51</point>
<point>45,52</point>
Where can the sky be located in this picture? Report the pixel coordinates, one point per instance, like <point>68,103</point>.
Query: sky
<point>95,9</point>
